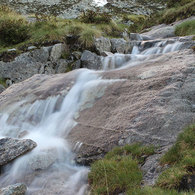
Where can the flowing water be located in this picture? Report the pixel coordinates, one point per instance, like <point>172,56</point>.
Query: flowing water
<point>140,54</point>
<point>50,168</point>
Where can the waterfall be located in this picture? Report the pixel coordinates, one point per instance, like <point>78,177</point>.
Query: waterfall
<point>50,167</point>
<point>139,53</point>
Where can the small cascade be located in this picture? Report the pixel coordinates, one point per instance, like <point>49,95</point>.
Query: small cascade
<point>140,53</point>
<point>49,168</point>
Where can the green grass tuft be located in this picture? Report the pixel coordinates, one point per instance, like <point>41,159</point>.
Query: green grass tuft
<point>181,158</point>
<point>114,176</point>
<point>185,28</point>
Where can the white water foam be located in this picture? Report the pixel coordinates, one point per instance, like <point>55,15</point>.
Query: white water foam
<point>137,55</point>
<point>50,167</point>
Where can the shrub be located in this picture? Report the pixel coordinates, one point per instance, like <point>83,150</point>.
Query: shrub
<point>90,16</point>
<point>185,28</point>
<point>13,28</point>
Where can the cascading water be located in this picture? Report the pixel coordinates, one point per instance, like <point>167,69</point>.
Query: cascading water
<point>139,54</point>
<point>50,167</point>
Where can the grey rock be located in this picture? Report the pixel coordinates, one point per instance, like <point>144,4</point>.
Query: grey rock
<point>76,55</point>
<point>105,53</point>
<point>76,64</point>
<point>120,46</point>
<point>161,31</point>
<point>37,55</point>
<point>13,148</point>
<point>2,88</point>
<point>8,82</point>
<point>102,44</point>
<point>61,66</point>
<point>135,37</point>
<point>16,189</point>
<point>91,60</point>
<point>151,169</point>
<point>57,51</point>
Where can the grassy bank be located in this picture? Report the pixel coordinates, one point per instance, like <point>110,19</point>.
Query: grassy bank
<point>119,171</point>
<point>176,10</point>
<point>17,32</point>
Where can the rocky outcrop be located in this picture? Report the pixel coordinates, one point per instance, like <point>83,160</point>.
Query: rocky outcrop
<point>16,189</point>
<point>13,148</point>
<point>46,60</point>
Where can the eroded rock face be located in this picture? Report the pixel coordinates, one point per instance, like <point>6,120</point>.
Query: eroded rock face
<point>13,148</point>
<point>16,189</point>
<point>150,102</point>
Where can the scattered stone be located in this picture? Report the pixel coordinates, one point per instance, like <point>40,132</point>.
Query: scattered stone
<point>13,148</point>
<point>16,189</point>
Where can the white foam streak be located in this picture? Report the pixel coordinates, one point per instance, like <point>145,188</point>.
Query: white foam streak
<point>49,127</point>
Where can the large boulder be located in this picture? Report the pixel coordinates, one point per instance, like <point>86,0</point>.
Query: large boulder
<point>91,60</point>
<point>16,189</point>
<point>13,148</point>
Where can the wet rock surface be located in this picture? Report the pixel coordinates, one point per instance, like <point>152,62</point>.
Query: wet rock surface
<point>16,189</point>
<point>150,103</point>
<point>13,148</point>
